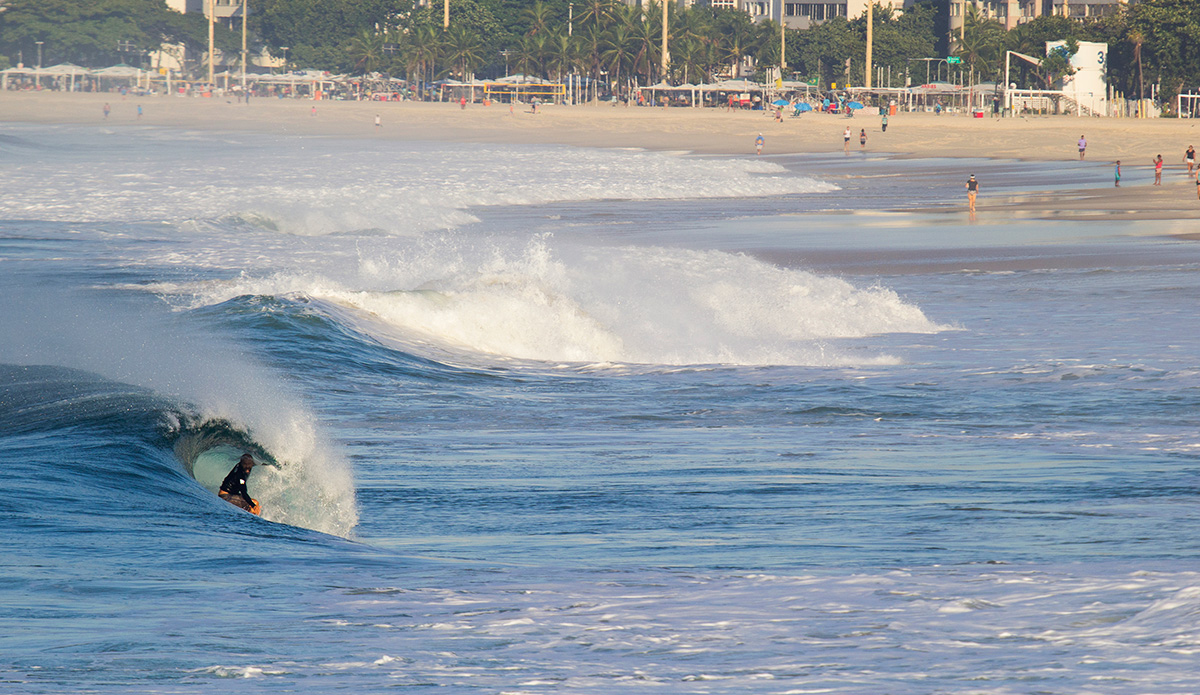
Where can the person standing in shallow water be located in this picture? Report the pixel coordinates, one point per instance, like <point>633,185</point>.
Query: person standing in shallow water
<point>233,488</point>
<point>972,191</point>
<point>1082,147</point>
<point>758,144</point>
<point>1158,164</point>
<point>1117,175</point>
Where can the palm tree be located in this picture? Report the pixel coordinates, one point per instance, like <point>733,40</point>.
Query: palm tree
<point>562,53</point>
<point>531,53</point>
<point>1137,38</point>
<point>980,41</point>
<point>464,47</point>
<point>423,48</point>
<point>366,50</point>
<point>592,41</point>
<point>596,12</point>
<point>538,15</point>
<point>647,37</point>
<point>618,50</point>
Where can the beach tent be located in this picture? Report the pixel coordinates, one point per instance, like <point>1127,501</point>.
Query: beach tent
<point>119,73</point>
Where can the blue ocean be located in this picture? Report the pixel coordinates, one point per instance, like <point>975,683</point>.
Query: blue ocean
<point>538,419</point>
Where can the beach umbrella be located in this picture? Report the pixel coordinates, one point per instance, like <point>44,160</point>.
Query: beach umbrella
<point>854,105</point>
<point>781,102</point>
<point>803,107</point>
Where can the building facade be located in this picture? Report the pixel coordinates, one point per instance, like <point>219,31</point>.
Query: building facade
<point>1011,13</point>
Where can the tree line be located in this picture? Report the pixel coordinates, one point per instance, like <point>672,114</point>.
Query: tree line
<point>1153,42</point>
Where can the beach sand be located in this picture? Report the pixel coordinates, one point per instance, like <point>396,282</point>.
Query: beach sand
<point>707,131</point>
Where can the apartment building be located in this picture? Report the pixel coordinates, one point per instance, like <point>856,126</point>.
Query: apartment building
<point>1010,13</point>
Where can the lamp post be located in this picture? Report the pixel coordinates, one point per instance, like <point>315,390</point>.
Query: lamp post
<point>244,17</point>
<point>506,53</point>
<point>285,63</point>
<point>870,40</point>
<point>39,45</point>
<point>212,43</point>
<point>666,57</point>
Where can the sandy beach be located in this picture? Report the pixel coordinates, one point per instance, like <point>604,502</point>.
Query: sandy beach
<point>707,131</point>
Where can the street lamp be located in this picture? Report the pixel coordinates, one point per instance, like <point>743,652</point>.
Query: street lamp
<point>285,50</point>
<point>39,45</point>
<point>505,53</point>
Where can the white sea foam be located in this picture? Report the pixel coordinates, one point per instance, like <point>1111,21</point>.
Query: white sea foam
<point>609,305</point>
<point>396,189</point>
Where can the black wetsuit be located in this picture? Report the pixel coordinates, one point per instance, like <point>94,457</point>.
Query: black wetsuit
<point>235,484</point>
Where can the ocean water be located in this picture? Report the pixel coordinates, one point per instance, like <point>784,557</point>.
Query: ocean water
<point>554,420</point>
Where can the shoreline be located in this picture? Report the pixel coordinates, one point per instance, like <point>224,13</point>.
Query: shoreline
<point>698,131</point>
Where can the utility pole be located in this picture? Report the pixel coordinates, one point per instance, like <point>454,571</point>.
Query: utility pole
<point>446,14</point>
<point>212,11</point>
<point>244,17</point>
<point>665,57</point>
<point>782,44</point>
<point>870,38</point>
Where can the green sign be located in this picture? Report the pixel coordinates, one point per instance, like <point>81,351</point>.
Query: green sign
<point>954,60</point>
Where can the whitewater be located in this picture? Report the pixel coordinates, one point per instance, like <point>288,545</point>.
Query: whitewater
<point>538,419</point>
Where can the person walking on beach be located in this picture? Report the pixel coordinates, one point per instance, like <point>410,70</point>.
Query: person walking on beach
<point>972,191</point>
<point>1117,175</point>
<point>884,124</point>
<point>108,108</point>
<point>1082,147</point>
<point>758,144</point>
<point>1158,164</point>
<point>1189,158</point>
<point>378,122</point>
<point>139,112</point>
<point>846,140</point>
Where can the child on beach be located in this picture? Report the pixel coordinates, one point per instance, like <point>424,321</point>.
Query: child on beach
<point>1158,164</point>
<point>1117,175</point>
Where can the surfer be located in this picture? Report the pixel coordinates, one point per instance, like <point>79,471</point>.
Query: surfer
<point>233,488</point>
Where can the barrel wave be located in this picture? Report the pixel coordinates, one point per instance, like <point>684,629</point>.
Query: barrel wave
<point>146,454</point>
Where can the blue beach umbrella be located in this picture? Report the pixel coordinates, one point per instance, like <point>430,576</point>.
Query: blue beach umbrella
<point>803,107</point>
<point>854,105</point>
<point>781,102</point>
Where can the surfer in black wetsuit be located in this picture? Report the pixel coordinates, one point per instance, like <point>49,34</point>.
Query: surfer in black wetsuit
<point>233,488</point>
